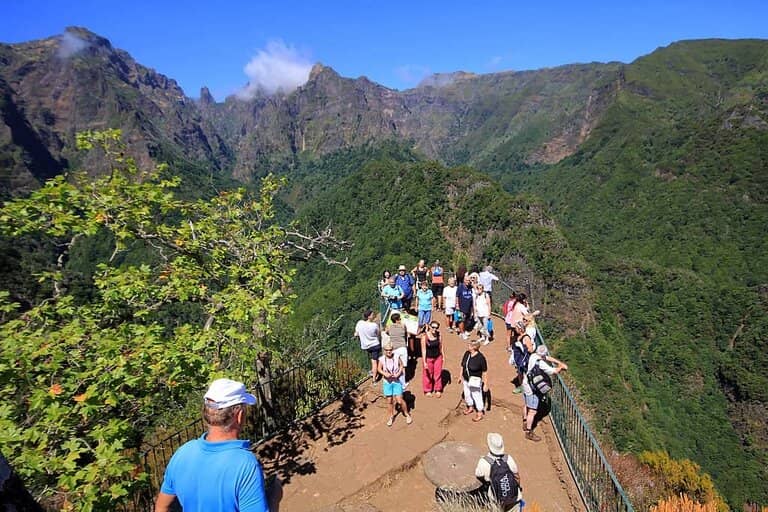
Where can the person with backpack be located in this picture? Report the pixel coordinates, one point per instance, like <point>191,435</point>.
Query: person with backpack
<point>499,474</point>
<point>521,352</point>
<point>537,383</point>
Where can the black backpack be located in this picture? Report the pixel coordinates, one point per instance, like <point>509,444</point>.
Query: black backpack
<point>540,382</point>
<point>504,485</point>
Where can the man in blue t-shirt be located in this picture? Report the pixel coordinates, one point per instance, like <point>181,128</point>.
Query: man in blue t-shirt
<point>406,283</point>
<point>217,472</point>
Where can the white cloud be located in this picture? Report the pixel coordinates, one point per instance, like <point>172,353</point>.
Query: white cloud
<point>279,67</point>
<point>494,62</point>
<point>411,74</point>
<point>70,44</point>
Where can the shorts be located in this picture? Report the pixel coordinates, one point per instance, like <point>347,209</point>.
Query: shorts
<point>437,289</point>
<point>392,388</point>
<point>449,311</point>
<point>532,401</point>
<point>375,352</point>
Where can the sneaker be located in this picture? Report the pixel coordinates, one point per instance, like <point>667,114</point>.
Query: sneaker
<point>465,335</point>
<point>518,390</point>
<point>409,419</point>
<point>438,394</point>
<point>428,393</point>
<point>531,436</point>
<point>390,421</point>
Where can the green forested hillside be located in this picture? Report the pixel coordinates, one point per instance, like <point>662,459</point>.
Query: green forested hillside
<point>667,202</point>
<point>397,211</point>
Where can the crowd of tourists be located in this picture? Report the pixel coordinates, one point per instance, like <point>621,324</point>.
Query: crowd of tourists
<point>417,299</point>
<point>218,471</point>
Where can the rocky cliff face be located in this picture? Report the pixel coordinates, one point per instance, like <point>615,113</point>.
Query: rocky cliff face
<point>53,88</point>
<point>541,116</point>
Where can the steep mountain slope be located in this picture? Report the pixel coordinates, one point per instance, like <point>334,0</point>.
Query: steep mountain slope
<point>398,211</point>
<point>533,116</point>
<point>667,201</point>
<point>53,88</point>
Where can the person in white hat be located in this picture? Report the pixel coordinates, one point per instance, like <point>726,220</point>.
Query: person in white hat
<point>498,471</point>
<point>217,472</point>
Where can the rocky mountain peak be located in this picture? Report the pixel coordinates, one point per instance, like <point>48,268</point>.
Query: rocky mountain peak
<point>85,36</point>
<point>319,72</point>
<point>206,98</point>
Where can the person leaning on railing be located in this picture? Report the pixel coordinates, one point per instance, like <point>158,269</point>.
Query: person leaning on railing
<point>533,397</point>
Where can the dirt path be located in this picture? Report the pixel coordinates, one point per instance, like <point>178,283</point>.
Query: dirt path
<point>347,459</point>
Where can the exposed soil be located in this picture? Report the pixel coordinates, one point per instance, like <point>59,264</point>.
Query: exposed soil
<point>346,459</point>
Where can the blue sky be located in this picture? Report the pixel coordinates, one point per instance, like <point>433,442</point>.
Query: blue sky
<point>394,43</point>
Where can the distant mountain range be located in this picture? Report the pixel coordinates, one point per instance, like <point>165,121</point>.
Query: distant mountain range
<point>536,116</point>
<point>640,198</point>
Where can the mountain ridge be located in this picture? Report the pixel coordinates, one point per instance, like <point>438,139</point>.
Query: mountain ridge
<point>653,171</point>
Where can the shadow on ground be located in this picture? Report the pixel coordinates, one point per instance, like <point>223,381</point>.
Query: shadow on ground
<point>290,453</point>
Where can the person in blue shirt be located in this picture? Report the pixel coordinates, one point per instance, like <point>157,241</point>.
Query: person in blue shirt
<point>406,283</point>
<point>393,293</point>
<point>217,472</point>
<point>424,296</point>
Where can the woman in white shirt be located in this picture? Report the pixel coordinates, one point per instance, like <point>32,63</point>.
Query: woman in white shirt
<point>482,308</point>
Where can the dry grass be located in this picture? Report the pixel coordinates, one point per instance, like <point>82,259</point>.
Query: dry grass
<point>683,503</point>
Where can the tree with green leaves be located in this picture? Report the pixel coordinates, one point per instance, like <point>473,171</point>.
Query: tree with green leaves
<point>82,377</point>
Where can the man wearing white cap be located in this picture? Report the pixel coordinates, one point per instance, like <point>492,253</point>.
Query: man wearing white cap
<point>499,472</point>
<point>217,472</point>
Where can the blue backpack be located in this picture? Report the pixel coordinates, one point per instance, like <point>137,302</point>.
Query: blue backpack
<point>520,354</point>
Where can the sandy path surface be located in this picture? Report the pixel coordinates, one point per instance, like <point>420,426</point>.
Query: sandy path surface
<point>347,459</point>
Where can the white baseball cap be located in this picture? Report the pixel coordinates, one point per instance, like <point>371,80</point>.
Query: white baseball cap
<point>225,393</point>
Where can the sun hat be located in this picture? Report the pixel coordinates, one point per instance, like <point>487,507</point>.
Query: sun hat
<point>495,443</point>
<point>401,267</point>
<point>225,393</point>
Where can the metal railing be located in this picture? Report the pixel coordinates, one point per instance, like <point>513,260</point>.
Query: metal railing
<point>599,488</point>
<point>283,399</point>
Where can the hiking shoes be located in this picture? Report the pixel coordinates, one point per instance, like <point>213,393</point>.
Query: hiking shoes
<point>531,436</point>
